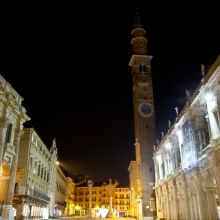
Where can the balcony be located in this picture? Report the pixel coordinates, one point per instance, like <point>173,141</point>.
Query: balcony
<point>26,191</point>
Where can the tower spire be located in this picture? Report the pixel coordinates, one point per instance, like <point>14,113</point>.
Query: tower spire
<point>137,19</point>
<point>138,41</point>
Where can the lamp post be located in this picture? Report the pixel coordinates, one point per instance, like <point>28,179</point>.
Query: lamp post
<point>90,183</point>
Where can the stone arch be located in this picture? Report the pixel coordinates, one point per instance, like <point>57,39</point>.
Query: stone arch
<point>175,140</point>
<point>212,194</point>
<point>193,186</point>
<point>193,197</point>
<point>210,180</point>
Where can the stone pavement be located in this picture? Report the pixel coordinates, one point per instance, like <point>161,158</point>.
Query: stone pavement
<point>85,218</point>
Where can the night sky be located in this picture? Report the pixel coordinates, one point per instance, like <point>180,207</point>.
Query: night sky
<point>70,64</point>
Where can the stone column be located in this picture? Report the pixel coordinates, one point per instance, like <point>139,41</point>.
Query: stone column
<point>213,116</point>
<point>167,202</point>
<point>212,206</point>
<point>3,126</point>
<point>165,165</point>
<point>186,199</point>
<point>202,206</point>
<point>156,168</point>
<point>19,210</point>
<point>174,208</point>
<point>191,207</point>
<point>8,212</point>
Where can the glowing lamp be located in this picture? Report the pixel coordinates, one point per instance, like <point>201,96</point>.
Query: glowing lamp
<point>209,97</point>
<point>168,145</point>
<point>211,101</point>
<point>159,159</point>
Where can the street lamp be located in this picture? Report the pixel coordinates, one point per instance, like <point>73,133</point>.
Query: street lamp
<point>90,183</point>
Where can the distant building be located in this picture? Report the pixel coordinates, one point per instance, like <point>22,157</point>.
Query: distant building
<point>187,169</point>
<point>121,201</point>
<point>33,173</point>
<point>106,197</point>
<point>12,117</point>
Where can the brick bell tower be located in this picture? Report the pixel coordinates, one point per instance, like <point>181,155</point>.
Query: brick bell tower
<point>144,117</point>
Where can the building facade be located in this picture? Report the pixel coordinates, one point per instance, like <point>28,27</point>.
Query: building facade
<point>61,185</point>
<point>121,201</point>
<point>52,187</point>
<point>12,117</point>
<point>107,199</point>
<point>32,181</point>
<point>70,205</point>
<point>144,118</point>
<point>187,160</point>
<point>134,186</point>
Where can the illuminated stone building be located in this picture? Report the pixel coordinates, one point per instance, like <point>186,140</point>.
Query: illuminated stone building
<point>187,160</point>
<point>70,205</point>
<point>12,117</point>
<point>31,189</point>
<point>121,201</point>
<point>144,121</point>
<point>106,198</point>
<point>61,181</point>
<point>52,186</point>
<point>134,189</point>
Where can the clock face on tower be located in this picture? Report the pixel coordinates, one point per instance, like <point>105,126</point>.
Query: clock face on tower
<point>146,109</point>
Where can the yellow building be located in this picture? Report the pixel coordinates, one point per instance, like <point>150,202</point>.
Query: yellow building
<point>70,205</point>
<point>107,199</point>
<point>134,190</point>
<point>12,117</point>
<point>81,198</point>
<point>121,201</point>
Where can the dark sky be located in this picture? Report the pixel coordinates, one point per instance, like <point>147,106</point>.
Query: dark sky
<point>70,63</point>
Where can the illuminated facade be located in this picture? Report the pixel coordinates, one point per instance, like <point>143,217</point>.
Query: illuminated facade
<point>12,117</point>
<point>134,189</point>
<point>144,120</point>
<point>52,186</point>
<point>61,181</point>
<point>187,160</point>
<point>32,181</point>
<point>121,201</point>
<point>70,205</point>
<point>105,197</point>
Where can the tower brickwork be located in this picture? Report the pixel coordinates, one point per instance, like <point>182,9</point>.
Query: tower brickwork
<point>144,116</point>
